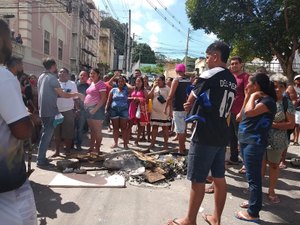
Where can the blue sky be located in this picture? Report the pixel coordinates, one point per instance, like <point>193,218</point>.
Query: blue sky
<point>168,36</point>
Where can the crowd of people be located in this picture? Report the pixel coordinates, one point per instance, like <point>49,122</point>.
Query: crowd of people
<point>251,114</point>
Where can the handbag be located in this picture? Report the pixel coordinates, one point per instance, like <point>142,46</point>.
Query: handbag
<point>161,98</point>
<point>138,112</point>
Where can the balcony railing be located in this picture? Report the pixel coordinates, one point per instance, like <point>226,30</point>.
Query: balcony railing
<point>18,49</point>
<point>88,34</point>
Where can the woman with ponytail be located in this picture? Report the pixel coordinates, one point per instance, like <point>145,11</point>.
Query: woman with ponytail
<point>256,115</point>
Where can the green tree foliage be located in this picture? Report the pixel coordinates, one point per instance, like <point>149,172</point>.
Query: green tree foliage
<point>158,69</point>
<point>263,29</point>
<point>190,63</point>
<point>143,52</point>
<point>118,30</point>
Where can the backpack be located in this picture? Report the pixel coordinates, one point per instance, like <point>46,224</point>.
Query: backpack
<point>285,103</point>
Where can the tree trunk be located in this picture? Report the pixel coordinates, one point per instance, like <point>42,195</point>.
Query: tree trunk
<point>286,61</point>
<point>287,68</point>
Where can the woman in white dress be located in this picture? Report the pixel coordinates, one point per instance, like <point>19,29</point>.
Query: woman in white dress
<point>159,94</point>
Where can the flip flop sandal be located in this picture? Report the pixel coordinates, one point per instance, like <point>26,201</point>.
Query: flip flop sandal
<point>242,171</point>
<point>174,222</point>
<point>204,216</point>
<point>209,190</point>
<point>244,205</point>
<point>274,199</point>
<point>239,215</point>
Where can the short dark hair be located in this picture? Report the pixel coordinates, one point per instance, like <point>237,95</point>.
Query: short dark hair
<point>5,51</point>
<point>221,47</point>
<point>48,63</point>
<point>137,70</point>
<point>13,61</point>
<point>238,58</point>
<point>65,69</point>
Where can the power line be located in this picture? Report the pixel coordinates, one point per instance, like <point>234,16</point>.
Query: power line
<point>124,2</point>
<point>112,9</point>
<point>170,14</point>
<point>164,17</point>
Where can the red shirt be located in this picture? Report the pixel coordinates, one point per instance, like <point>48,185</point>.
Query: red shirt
<point>241,81</point>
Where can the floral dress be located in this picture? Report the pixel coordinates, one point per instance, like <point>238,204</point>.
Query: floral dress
<point>278,139</point>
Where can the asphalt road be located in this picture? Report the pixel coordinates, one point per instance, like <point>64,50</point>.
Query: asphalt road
<point>140,205</point>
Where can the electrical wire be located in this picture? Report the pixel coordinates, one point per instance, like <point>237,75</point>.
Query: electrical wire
<point>112,9</point>
<point>170,14</point>
<point>165,18</point>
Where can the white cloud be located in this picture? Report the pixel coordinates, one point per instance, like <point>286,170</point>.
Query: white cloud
<point>136,15</point>
<point>154,26</point>
<point>137,4</point>
<point>153,42</point>
<point>137,29</point>
<point>211,36</point>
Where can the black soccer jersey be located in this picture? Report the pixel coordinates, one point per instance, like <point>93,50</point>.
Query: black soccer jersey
<point>217,87</point>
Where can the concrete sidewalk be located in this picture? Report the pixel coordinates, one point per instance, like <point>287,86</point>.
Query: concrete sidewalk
<point>155,205</point>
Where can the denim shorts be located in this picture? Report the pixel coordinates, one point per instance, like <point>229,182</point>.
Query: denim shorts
<point>99,115</point>
<point>203,158</point>
<point>179,121</point>
<point>118,112</point>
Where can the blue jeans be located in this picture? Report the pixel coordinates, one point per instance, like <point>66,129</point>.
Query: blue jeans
<point>47,133</point>
<point>79,127</point>
<point>233,128</point>
<point>253,155</point>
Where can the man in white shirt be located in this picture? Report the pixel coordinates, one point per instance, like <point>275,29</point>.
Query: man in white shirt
<point>64,132</point>
<point>16,197</point>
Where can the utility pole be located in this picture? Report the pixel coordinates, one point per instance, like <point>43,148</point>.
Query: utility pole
<point>187,48</point>
<point>131,51</point>
<point>128,69</point>
<point>125,51</point>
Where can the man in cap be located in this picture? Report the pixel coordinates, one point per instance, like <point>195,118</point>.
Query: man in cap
<point>177,97</point>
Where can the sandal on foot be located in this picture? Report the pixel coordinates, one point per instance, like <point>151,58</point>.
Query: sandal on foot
<point>241,216</point>
<point>244,205</point>
<point>282,166</point>
<point>204,216</point>
<point>173,222</point>
<point>242,170</point>
<point>274,199</point>
<point>210,190</point>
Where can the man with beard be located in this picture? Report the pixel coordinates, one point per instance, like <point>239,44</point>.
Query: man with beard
<point>16,197</point>
<point>236,68</point>
<point>48,91</point>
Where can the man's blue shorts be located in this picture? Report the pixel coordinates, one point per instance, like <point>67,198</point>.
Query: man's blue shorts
<point>203,158</point>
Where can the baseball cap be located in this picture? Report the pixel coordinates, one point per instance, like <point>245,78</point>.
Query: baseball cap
<point>180,68</point>
<point>296,77</point>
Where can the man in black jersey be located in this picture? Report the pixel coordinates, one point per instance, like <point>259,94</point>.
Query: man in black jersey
<point>211,101</point>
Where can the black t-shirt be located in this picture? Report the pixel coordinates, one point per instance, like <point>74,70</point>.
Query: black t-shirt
<point>181,93</point>
<point>82,89</point>
<point>218,87</point>
<point>254,130</point>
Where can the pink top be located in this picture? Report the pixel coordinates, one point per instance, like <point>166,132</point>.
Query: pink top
<point>241,81</point>
<point>138,94</point>
<point>93,93</point>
